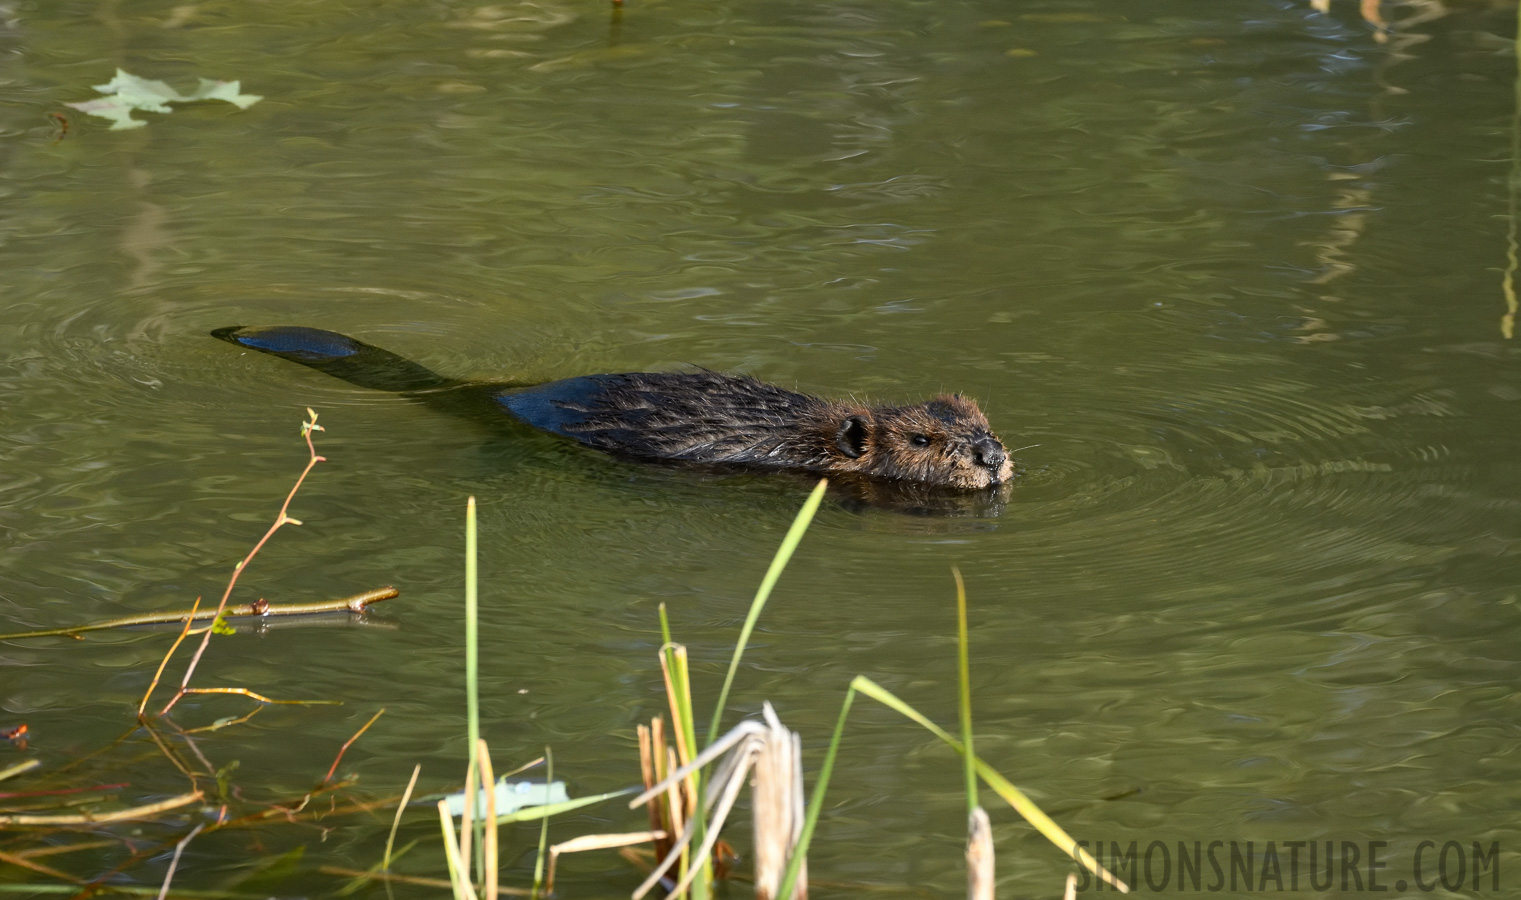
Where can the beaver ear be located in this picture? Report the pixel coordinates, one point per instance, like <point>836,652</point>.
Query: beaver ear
<point>851,438</point>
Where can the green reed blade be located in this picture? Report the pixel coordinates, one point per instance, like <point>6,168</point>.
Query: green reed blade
<point>538,864</point>
<point>685,726</point>
<point>373,873</point>
<point>528,814</point>
<point>964,679</point>
<point>778,563</point>
<point>1000,785</point>
<point>815,803</point>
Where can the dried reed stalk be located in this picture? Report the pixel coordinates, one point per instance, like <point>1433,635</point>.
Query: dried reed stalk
<point>979,856</point>
<point>594,842</point>
<point>488,784</point>
<point>146,811</point>
<point>777,801</point>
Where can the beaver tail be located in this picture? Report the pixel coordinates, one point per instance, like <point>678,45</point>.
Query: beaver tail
<point>342,357</point>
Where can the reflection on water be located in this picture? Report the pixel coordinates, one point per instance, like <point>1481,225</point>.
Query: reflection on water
<point>1230,276</point>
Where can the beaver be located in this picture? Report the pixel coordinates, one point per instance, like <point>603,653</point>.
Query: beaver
<point>701,417</point>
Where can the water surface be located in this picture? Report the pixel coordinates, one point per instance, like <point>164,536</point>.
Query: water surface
<point>1230,273</point>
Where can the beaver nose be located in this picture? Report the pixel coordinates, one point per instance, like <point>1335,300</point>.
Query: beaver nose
<point>989,454</point>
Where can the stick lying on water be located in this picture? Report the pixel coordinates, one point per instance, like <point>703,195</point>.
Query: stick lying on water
<point>354,604</point>
<point>136,813</point>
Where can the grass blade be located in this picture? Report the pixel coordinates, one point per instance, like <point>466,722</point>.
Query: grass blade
<point>964,681</point>
<point>1000,785</point>
<point>778,563</point>
<point>538,864</point>
<point>554,809</point>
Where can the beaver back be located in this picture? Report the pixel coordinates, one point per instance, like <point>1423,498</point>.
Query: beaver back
<point>689,416</point>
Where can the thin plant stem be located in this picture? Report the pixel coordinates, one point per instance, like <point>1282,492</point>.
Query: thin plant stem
<point>171,755</point>
<point>307,428</point>
<point>543,855</point>
<point>346,744</point>
<point>175,862</point>
<point>25,863</point>
<point>152,685</point>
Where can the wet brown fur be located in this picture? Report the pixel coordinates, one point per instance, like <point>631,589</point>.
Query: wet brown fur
<point>707,417</point>
<point>695,417</point>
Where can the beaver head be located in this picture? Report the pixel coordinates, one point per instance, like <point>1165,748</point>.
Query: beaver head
<point>945,441</point>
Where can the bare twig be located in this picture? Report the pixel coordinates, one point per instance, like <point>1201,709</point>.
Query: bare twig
<point>219,724</point>
<point>66,848</point>
<point>173,757</point>
<point>307,428</point>
<point>153,685</point>
<point>175,862</point>
<point>408,879</point>
<point>341,750</point>
<point>18,795</point>
<point>23,862</point>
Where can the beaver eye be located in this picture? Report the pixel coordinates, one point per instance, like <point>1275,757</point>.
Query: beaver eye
<point>919,440</point>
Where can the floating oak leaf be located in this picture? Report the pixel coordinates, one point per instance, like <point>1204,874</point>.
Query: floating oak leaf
<point>127,92</point>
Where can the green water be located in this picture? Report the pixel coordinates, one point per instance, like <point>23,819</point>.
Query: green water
<point>1231,272</point>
